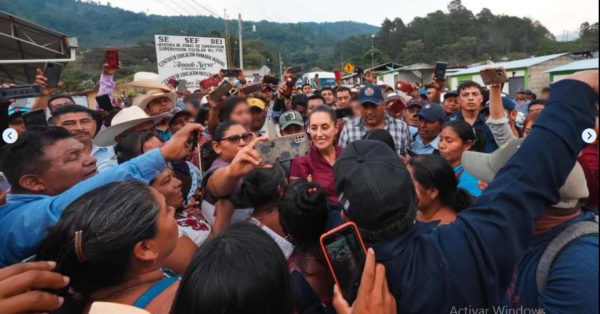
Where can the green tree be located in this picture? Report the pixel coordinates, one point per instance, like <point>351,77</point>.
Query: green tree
<point>412,52</point>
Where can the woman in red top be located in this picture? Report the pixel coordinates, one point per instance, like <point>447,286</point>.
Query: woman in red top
<point>318,165</point>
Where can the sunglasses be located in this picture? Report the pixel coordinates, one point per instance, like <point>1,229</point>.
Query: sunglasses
<point>247,137</point>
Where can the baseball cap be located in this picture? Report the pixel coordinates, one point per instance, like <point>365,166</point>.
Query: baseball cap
<point>433,112</point>
<point>485,167</point>
<point>506,103</point>
<point>371,94</point>
<point>529,92</point>
<point>255,102</point>
<point>171,117</point>
<point>415,102</point>
<point>423,92</point>
<point>290,118</point>
<point>521,91</point>
<point>374,186</point>
<point>450,94</point>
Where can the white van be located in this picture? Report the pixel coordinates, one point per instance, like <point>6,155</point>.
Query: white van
<point>327,79</point>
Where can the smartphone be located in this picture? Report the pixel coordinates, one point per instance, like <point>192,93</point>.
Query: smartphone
<point>210,82</point>
<point>290,83</point>
<point>359,71</point>
<point>202,116</point>
<point>344,113</point>
<point>283,148</point>
<point>405,88</point>
<point>494,76</point>
<point>251,89</point>
<point>221,91</point>
<point>193,141</point>
<point>181,86</point>
<point>231,73</point>
<point>173,82</point>
<point>396,108</point>
<point>297,69</point>
<point>21,92</point>
<point>440,71</point>
<point>346,256</point>
<point>35,118</point>
<point>53,72</point>
<point>271,80</point>
<point>338,75</point>
<point>105,103</point>
<point>112,58</point>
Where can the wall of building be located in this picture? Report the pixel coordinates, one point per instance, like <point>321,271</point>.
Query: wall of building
<point>404,76</point>
<point>538,79</point>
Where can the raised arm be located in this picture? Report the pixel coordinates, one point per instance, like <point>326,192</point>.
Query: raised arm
<point>498,122</point>
<point>488,239</point>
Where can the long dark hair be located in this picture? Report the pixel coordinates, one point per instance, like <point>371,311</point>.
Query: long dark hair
<point>435,172</point>
<point>303,214</point>
<point>112,219</point>
<point>261,187</point>
<point>242,270</point>
<point>467,133</point>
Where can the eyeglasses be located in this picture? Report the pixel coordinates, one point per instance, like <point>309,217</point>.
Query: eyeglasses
<point>247,137</point>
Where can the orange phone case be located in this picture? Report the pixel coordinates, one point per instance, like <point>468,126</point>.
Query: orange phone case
<point>334,231</point>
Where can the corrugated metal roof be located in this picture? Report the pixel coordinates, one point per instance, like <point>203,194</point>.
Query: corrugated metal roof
<point>518,64</point>
<point>587,64</point>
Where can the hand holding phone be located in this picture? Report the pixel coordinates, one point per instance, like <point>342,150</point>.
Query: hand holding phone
<point>346,256</point>
<point>181,86</point>
<point>290,83</point>
<point>251,89</point>
<point>105,103</point>
<point>440,72</point>
<point>52,73</point>
<point>270,80</point>
<point>221,91</point>
<point>283,148</point>
<point>494,76</point>
<point>112,59</point>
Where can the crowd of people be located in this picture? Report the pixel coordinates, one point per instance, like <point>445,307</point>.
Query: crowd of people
<point>467,200</point>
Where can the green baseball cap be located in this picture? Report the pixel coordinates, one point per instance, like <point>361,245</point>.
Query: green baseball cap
<point>290,118</point>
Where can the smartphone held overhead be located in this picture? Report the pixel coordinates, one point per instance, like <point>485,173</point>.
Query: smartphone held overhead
<point>284,148</point>
<point>53,72</point>
<point>494,76</point>
<point>112,58</point>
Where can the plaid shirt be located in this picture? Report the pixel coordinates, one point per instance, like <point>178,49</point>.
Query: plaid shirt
<point>356,129</point>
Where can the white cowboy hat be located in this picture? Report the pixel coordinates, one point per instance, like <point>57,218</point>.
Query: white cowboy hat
<point>123,121</point>
<point>142,101</point>
<point>146,80</point>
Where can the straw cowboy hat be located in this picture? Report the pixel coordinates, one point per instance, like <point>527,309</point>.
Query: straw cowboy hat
<point>142,101</point>
<point>123,121</point>
<point>146,80</point>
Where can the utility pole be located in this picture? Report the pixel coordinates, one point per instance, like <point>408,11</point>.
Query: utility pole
<point>280,66</point>
<point>241,43</point>
<point>228,41</point>
<point>372,52</point>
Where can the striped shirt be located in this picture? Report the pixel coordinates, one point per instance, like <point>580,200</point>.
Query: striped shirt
<point>356,129</point>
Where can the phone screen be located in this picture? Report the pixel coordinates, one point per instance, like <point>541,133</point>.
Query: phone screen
<point>440,71</point>
<point>347,257</point>
<point>104,103</point>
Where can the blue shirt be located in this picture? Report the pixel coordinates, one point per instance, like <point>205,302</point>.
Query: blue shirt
<point>466,182</point>
<point>428,149</point>
<point>413,131</point>
<point>524,109</point>
<point>102,153</point>
<point>572,285</point>
<point>481,126</point>
<point>25,219</point>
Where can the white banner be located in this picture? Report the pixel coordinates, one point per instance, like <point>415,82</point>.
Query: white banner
<point>189,58</point>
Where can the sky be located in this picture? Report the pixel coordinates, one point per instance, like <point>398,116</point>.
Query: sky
<point>557,16</point>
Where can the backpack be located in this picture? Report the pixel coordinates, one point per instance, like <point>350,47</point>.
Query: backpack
<point>583,229</point>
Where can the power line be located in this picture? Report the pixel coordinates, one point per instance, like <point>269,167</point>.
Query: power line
<point>205,8</point>
<point>193,8</point>
<point>170,7</point>
<point>177,4</point>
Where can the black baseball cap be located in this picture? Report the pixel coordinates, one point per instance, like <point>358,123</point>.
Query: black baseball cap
<point>450,94</point>
<point>374,187</point>
<point>433,112</point>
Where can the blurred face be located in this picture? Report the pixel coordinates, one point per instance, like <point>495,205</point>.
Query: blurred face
<point>81,125</point>
<point>536,108</point>
<point>430,92</point>
<point>168,231</point>
<point>152,144</point>
<point>322,130</point>
<point>313,104</point>
<point>159,106</point>
<point>234,139</point>
<point>302,111</point>
<point>451,106</point>
<point>429,130</point>
<point>241,114</point>
<point>521,96</point>
<point>411,116</point>
<point>170,187</point>
<point>179,122</point>
<point>292,129</point>
<point>452,147</point>
<point>191,108</point>
<point>373,115</point>
<point>470,99</point>
<point>18,125</point>
<point>307,90</point>
<point>267,95</point>
<point>258,118</point>
<point>57,103</point>
<point>329,97</point>
<point>357,108</point>
<point>545,96</point>
<point>343,99</point>
<point>69,165</point>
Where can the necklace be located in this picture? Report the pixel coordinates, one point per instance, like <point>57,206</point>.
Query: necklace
<point>130,289</point>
